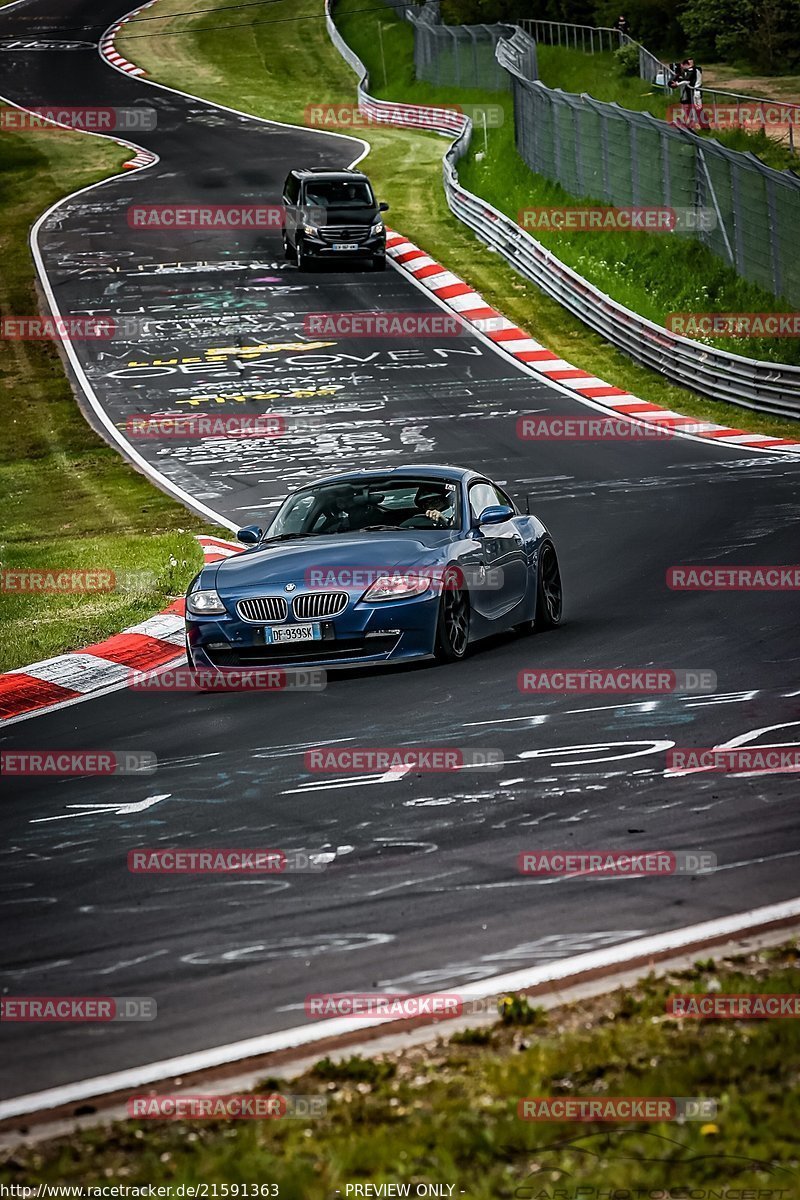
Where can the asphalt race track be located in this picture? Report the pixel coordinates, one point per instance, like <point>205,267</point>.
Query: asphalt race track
<point>422,890</point>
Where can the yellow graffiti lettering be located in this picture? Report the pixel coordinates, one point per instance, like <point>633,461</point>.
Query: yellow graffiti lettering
<point>243,397</point>
<point>267,348</point>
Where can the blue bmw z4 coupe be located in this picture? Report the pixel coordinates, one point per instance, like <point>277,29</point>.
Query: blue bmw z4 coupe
<point>376,566</point>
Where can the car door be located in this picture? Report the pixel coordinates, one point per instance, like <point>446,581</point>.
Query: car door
<point>504,553</point>
<point>291,193</point>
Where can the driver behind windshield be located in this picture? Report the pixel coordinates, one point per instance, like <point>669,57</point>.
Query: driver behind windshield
<point>349,508</point>
<point>330,193</point>
<point>437,503</point>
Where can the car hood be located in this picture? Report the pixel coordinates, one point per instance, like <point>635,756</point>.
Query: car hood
<point>299,562</point>
<point>346,215</point>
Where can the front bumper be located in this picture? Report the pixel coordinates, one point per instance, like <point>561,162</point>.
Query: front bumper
<point>373,247</point>
<point>364,634</point>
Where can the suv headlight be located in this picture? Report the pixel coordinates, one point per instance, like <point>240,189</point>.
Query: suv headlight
<point>397,587</point>
<point>204,603</point>
<point>376,228</point>
<point>311,230</point>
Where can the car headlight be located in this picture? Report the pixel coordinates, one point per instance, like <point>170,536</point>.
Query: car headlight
<point>376,228</point>
<point>311,230</point>
<point>204,603</point>
<point>397,587</point>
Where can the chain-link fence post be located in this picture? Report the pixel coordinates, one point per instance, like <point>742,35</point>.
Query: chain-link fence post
<point>704,177</point>
<point>774,248</point>
<point>604,156</point>
<point>577,134</point>
<point>634,153</point>
<point>738,218</point>
<point>666,182</point>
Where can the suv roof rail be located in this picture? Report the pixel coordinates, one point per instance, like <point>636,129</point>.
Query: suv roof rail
<point>326,171</point>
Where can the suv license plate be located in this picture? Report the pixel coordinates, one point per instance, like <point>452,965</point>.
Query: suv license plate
<point>292,633</point>
<point>345,245</point>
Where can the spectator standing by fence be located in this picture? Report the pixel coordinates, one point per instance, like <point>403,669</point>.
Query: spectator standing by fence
<point>678,78</point>
<point>688,78</point>
<point>694,77</point>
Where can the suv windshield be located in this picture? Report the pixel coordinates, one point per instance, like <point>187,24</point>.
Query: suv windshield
<point>339,193</point>
<point>348,506</point>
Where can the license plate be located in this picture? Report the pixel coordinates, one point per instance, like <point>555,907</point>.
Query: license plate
<point>292,633</point>
<point>345,245</point>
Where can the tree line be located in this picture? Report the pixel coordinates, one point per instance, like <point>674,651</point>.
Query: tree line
<point>752,35</point>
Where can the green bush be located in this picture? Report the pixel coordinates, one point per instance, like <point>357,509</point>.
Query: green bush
<point>626,59</point>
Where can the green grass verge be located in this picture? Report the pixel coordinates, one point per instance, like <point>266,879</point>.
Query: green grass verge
<point>68,499</point>
<point>447,1113</point>
<point>278,70</point>
<point>652,274</point>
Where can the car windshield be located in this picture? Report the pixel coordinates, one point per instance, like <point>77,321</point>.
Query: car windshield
<point>348,506</point>
<point>339,193</point>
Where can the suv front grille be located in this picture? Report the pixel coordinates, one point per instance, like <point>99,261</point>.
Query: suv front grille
<point>263,608</point>
<point>344,233</point>
<point>314,605</point>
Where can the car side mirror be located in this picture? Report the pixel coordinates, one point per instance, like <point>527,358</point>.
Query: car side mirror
<point>495,514</point>
<point>383,206</point>
<point>251,535</point>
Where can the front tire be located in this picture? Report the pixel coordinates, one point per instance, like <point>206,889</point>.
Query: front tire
<point>379,264</point>
<point>300,256</point>
<point>287,249</point>
<point>549,594</point>
<point>452,624</point>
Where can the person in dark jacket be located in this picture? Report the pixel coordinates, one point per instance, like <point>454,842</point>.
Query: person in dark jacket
<point>682,80</point>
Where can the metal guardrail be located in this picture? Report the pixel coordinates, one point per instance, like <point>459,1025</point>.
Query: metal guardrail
<point>762,386</point>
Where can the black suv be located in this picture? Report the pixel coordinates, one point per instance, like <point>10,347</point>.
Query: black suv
<point>332,215</point>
